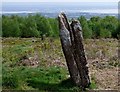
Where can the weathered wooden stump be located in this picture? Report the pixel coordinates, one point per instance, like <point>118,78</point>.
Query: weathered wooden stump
<point>73,49</point>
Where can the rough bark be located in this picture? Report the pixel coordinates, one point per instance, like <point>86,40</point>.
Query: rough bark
<point>73,49</point>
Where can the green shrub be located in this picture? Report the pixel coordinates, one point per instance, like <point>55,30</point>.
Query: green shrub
<point>39,26</point>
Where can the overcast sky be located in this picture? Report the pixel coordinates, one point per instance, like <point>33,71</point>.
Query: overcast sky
<point>60,0</point>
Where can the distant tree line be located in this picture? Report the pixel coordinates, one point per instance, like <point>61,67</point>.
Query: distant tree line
<point>29,26</point>
<point>39,26</point>
<point>98,27</point>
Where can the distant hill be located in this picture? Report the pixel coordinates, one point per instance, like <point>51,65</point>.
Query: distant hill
<point>73,10</point>
<point>70,15</point>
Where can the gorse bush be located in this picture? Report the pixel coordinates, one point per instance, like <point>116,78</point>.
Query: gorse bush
<point>10,27</point>
<point>39,26</point>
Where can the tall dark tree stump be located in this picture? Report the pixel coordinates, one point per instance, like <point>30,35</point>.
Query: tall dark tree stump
<point>73,49</point>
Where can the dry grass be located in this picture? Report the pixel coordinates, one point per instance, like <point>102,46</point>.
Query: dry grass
<point>102,56</point>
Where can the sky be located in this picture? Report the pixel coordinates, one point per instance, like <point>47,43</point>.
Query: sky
<point>60,0</point>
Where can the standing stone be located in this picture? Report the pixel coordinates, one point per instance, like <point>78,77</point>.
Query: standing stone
<point>67,49</point>
<point>79,53</point>
<point>73,49</point>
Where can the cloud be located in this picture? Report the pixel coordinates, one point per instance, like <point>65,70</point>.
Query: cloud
<point>60,0</point>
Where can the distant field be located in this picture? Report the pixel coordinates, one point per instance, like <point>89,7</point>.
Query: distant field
<point>33,64</point>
